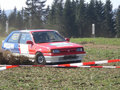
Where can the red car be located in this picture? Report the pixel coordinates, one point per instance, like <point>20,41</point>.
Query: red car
<point>43,46</point>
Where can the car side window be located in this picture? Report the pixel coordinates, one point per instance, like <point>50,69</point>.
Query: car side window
<point>25,37</point>
<point>14,38</point>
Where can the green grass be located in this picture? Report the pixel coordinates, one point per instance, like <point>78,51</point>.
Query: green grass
<point>36,78</point>
<point>104,41</point>
<point>1,38</point>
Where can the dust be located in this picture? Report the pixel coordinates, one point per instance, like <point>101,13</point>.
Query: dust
<point>1,56</point>
<point>8,59</point>
<point>2,59</point>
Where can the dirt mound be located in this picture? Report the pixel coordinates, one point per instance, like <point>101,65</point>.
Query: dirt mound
<point>8,58</point>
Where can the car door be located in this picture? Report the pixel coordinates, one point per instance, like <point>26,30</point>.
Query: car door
<point>25,48</point>
<point>12,43</point>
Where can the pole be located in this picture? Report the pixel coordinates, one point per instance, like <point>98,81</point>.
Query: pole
<point>93,30</point>
<point>7,26</point>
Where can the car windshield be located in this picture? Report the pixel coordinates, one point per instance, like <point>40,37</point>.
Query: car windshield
<point>47,36</point>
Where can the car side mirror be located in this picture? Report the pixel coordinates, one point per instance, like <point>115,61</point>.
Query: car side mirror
<point>29,42</point>
<point>67,39</point>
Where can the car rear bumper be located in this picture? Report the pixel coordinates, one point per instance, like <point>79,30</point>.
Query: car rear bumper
<point>64,58</point>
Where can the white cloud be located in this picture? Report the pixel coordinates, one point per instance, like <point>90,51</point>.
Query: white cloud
<point>10,4</point>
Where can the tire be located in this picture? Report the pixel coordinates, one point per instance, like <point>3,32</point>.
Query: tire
<point>40,59</point>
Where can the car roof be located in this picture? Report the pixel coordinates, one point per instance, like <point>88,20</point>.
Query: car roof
<point>34,30</point>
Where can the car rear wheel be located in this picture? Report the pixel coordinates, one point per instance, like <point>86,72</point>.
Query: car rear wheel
<point>40,59</point>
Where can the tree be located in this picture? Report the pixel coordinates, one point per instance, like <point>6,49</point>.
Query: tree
<point>118,22</point>
<point>81,18</point>
<point>91,17</point>
<point>55,17</point>
<point>51,22</point>
<point>46,13</point>
<point>0,16</point>
<point>19,21</point>
<point>59,16</point>
<point>108,21</point>
<point>74,18</point>
<point>12,18</point>
<point>99,7</point>
<point>35,13</point>
<point>3,19</point>
<point>69,19</point>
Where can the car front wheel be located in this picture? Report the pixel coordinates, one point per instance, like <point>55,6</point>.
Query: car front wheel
<point>40,59</point>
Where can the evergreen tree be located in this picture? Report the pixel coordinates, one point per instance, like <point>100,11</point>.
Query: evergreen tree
<point>91,17</point>
<point>51,22</point>
<point>12,18</point>
<point>69,19</point>
<point>91,12</point>
<point>46,13</point>
<point>27,20</point>
<point>108,22</point>
<point>19,21</point>
<point>118,22</point>
<point>59,16</point>
<point>74,11</point>
<point>3,19</point>
<point>0,16</point>
<point>81,18</point>
<point>99,18</point>
<point>35,11</point>
<point>0,21</point>
<point>55,17</point>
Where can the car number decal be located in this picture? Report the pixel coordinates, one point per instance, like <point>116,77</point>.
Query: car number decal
<point>8,46</point>
<point>15,36</point>
<point>24,49</point>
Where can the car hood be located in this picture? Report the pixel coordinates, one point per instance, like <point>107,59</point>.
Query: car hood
<point>58,45</point>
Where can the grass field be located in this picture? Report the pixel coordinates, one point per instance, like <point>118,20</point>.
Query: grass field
<point>36,78</point>
<point>104,41</point>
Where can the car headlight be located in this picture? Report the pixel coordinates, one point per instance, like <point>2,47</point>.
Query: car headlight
<point>56,51</point>
<point>79,49</point>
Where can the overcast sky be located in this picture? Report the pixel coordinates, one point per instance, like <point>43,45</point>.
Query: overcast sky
<point>10,4</point>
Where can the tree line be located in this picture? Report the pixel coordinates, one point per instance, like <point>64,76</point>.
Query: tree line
<point>72,18</point>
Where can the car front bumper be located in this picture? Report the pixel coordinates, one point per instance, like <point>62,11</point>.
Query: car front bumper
<point>64,58</point>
